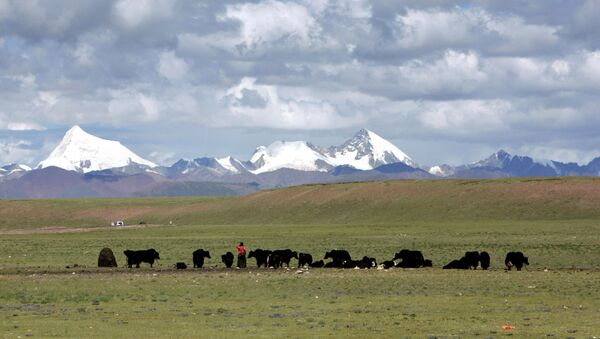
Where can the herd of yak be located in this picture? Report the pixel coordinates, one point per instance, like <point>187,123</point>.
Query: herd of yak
<point>338,259</point>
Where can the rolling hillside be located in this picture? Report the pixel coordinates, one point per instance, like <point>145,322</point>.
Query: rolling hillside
<point>349,203</point>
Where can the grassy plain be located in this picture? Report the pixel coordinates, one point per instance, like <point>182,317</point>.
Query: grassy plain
<point>555,222</point>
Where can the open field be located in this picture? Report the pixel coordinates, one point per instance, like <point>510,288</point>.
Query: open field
<point>555,222</point>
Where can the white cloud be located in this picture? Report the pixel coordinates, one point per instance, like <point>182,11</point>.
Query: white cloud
<point>455,72</point>
<point>172,67</point>
<point>84,54</point>
<point>591,66</point>
<point>436,28</point>
<point>18,151</point>
<point>24,126</point>
<point>135,13</point>
<point>129,106</point>
<point>46,99</point>
<point>251,104</point>
<point>561,68</point>
<point>466,116</point>
<point>273,22</point>
<point>27,81</point>
<point>558,153</point>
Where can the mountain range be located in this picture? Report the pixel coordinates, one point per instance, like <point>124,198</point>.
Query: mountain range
<point>83,165</point>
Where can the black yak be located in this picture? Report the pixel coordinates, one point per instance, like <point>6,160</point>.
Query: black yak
<point>338,256</point>
<point>137,257</point>
<point>304,259</point>
<point>410,259</point>
<point>198,257</point>
<point>516,259</point>
<point>286,256</point>
<point>484,259</point>
<point>317,264</point>
<point>260,255</point>
<point>472,259</point>
<point>227,259</point>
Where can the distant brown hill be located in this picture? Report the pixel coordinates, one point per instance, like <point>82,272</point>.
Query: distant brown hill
<point>384,202</point>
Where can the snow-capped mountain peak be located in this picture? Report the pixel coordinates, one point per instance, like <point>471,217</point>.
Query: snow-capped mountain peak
<point>367,150</point>
<point>298,155</point>
<point>496,160</point>
<point>82,152</point>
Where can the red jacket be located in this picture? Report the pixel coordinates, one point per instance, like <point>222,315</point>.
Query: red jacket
<point>241,249</point>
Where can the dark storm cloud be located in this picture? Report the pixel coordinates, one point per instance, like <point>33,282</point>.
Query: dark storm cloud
<point>429,75</point>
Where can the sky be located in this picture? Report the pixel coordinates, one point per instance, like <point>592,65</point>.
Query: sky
<point>445,81</point>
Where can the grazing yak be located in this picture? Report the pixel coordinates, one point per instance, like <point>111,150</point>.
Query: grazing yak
<point>388,264</point>
<point>334,264</point>
<point>304,259</point>
<point>338,256</point>
<point>137,257</point>
<point>180,266</point>
<point>371,262</point>
<point>365,262</point>
<point>516,259</point>
<point>286,256</point>
<point>198,257</point>
<point>484,260</point>
<point>410,259</point>
<point>261,256</point>
<point>317,264</point>
<point>472,259</point>
<point>274,260</point>
<point>461,264</point>
<point>227,259</point>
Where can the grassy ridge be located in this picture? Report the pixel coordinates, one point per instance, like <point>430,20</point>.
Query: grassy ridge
<point>348,203</point>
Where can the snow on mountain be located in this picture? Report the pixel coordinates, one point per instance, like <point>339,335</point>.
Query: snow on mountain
<point>497,160</point>
<point>298,155</point>
<point>11,169</point>
<point>367,150</point>
<point>212,166</point>
<point>82,152</point>
<point>231,164</point>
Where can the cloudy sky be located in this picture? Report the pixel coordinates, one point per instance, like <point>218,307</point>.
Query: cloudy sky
<point>446,82</point>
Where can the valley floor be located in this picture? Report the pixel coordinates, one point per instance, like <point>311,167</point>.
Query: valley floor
<point>317,303</point>
<point>556,296</point>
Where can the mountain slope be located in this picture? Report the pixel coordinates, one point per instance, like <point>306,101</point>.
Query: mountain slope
<point>82,152</point>
<point>367,150</point>
<point>503,164</point>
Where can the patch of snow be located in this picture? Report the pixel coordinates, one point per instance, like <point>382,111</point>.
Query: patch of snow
<point>227,163</point>
<point>297,155</point>
<point>350,158</point>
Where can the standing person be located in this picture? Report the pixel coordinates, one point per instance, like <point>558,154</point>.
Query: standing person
<point>241,255</point>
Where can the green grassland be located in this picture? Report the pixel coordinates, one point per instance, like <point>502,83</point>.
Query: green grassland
<point>556,222</point>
